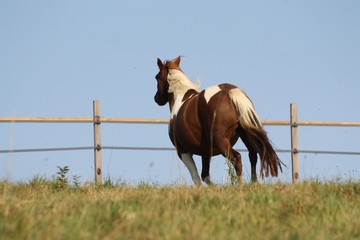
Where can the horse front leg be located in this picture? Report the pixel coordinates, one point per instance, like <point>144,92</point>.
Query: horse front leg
<point>205,173</point>
<point>190,164</point>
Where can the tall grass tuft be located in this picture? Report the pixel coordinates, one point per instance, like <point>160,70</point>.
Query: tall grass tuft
<point>231,173</point>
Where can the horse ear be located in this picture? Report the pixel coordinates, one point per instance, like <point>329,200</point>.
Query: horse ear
<point>177,60</point>
<point>159,63</point>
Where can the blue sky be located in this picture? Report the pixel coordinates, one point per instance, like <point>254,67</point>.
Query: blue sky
<point>56,57</point>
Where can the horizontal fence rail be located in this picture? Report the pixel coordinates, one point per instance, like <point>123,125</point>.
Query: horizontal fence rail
<point>97,120</point>
<point>159,121</point>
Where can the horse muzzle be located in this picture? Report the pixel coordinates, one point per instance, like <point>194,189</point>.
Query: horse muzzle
<point>160,101</point>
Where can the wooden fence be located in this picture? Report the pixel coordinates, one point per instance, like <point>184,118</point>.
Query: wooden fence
<point>97,120</point>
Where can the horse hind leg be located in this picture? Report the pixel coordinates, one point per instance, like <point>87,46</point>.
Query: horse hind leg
<point>205,173</point>
<point>235,158</point>
<point>252,155</point>
<point>253,161</point>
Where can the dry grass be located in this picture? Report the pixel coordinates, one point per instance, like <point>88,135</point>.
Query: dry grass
<point>312,210</point>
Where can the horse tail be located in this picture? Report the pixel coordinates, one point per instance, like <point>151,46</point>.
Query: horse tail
<point>257,136</point>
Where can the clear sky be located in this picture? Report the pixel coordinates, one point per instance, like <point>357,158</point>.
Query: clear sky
<point>56,57</point>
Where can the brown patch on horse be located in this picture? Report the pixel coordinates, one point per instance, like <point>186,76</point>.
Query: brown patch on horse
<point>189,94</point>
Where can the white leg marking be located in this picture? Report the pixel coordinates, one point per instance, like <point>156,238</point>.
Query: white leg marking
<point>210,92</point>
<point>190,164</point>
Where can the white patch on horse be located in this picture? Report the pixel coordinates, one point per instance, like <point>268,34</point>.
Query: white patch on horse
<point>177,105</point>
<point>190,164</point>
<point>179,84</point>
<point>210,92</point>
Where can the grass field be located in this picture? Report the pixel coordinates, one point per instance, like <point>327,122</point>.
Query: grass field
<point>42,209</point>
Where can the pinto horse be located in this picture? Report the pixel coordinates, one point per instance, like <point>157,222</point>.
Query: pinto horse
<point>209,123</point>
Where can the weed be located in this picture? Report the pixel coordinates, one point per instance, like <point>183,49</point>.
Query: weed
<point>232,176</point>
<point>61,179</point>
<point>76,181</point>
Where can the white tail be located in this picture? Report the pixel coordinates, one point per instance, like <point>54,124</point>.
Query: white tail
<point>250,123</point>
<point>245,108</point>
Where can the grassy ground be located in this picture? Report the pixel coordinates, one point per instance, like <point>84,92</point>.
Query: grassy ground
<point>52,210</point>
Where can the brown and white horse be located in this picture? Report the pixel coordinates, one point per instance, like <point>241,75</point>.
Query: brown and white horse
<point>209,122</point>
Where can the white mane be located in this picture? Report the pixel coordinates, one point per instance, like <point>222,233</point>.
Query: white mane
<point>179,83</point>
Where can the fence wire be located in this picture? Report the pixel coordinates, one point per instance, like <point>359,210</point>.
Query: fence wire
<point>125,148</point>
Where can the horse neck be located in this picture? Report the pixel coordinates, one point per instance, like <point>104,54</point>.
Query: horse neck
<point>179,83</point>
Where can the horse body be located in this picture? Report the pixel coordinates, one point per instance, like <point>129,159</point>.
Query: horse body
<point>210,122</point>
<point>196,124</point>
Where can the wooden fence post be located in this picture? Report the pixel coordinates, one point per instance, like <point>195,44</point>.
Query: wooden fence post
<point>97,142</point>
<point>294,143</point>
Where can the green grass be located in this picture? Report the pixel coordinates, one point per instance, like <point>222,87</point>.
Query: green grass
<point>41,209</point>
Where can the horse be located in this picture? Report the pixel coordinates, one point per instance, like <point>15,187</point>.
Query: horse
<point>209,122</point>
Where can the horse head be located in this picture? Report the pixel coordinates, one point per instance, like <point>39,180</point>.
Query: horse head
<point>162,96</point>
